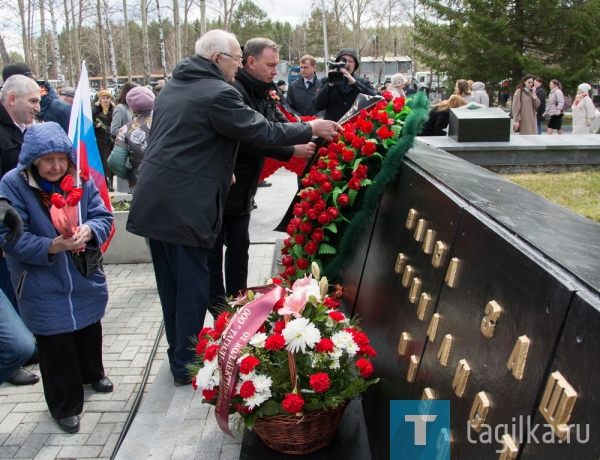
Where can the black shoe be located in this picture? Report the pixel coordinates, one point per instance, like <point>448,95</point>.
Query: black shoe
<point>254,205</point>
<point>103,386</point>
<point>23,377</point>
<point>181,382</point>
<point>264,183</point>
<point>35,359</point>
<point>69,424</point>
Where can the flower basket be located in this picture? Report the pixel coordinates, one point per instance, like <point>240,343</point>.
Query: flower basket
<point>292,434</point>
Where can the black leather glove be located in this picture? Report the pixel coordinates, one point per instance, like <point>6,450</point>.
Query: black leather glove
<point>12,219</point>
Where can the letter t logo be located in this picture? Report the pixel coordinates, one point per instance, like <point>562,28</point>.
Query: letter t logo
<point>420,422</point>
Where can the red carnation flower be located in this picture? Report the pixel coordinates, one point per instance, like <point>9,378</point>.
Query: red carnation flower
<point>311,248</point>
<point>366,127</point>
<point>302,263</point>
<point>211,352</point>
<point>321,164</point>
<point>288,242</point>
<point>290,229</point>
<point>323,151</point>
<point>242,409</point>
<point>324,346</point>
<point>368,149</point>
<point>354,183</point>
<point>326,187</point>
<point>306,227</point>
<point>349,137</point>
<point>384,132</point>
<point>287,261</point>
<point>58,200</point>
<point>337,316</point>
<point>365,367</point>
<point>290,271</point>
<point>332,156</point>
<point>201,347</point>
<point>343,200</point>
<point>333,146</point>
<point>368,350</point>
<point>279,304</point>
<point>298,211</point>
<point>67,183</point>
<point>300,239</point>
<point>320,206</point>
<point>312,214</point>
<point>336,175</point>
<point>306,182</point>
<point>358,142</point>
<point>323,178</point>
<point>319,382</point>
<point>324,217</point>
<point>221,321</point>
<point>331,303</point>
<point>194,385</point>
<point>278,327</point>
<point>314,195</point>
<point>292,403</point>
<point>209,395</point>
<point>248,364</point>
<point>333,164</point>
<point>387,95</point>
<point>399,104</point>
<point>204,331</point>
<point>277,281</point>
<point>363,114</point>
<point>275,342</point>
<point>383,118</point>
<point>214,334</point>
<point>361,171</point>
<point>306,205</point>
<point>247,390</point>
<point>381,105</point>
<point>318,235</point>
<point>333,213</point>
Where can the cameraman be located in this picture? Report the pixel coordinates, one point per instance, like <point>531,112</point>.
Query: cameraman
<point>336,100</point>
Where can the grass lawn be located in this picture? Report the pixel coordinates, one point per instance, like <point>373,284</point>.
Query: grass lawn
<point>577,191</point>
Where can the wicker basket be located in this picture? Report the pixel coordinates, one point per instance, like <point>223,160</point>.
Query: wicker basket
<point>291,434</point>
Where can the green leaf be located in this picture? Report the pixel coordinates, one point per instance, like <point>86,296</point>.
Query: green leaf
<point>331,227</point>
<point>327,249</point>
<point>249,419</point>
<point>365,182</point>
<point>356,163</point>
<point>397,128</point>
<point>311,407</point>
<point>352,195</point>
<point>269,408</point>
<point>296,251</point>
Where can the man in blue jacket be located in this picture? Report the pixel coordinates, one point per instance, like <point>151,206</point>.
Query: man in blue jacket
<point>51,107</point>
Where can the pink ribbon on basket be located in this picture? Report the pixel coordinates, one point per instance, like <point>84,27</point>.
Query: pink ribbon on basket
<point>240,330</point>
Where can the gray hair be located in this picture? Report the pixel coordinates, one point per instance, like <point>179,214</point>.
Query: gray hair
<point>215,41</point>
<point>20,85</point>
<point>255,47</point>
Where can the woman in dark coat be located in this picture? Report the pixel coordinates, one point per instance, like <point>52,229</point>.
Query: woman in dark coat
<point>439,116</point>
<point>60,305</point>
<point>102,115</point>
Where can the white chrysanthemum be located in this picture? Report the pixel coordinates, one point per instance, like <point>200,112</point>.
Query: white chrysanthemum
<point>352,348</point>
<point>336,353</point>
<point>257,399</point>
<point>335,364</point>
<point>208,376</point>
<point>341,339</point>
<point>262,383</point>
<point>244,377</point>
<point>258,340</point>
<point>299,334</point>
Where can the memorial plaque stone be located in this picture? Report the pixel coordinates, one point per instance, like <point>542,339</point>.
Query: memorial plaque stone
<point>479,125</point>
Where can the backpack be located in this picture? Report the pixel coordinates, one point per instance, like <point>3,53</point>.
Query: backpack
<point>568,102</point>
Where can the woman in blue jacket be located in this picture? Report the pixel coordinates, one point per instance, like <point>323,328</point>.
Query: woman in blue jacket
<point>62,307</point>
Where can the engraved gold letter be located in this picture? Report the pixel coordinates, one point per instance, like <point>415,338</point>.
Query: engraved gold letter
<point>557,404</point>
<point>423,304</point>
<point>452,272</point>
<point>420,230</point>
<point>433,324</point>
<point>412,368</point>
<point>415,290</point>
<point>518,357</point>
<point>411,219</point>
<point>488,323</point>
<point>400,262</point>
<point>429,241</point>
<point>479,410</point>
<point>428,394</point>
<point>407,276</point>
<point>509,448</point>
<point>439,254</point>
<point>460,378</point>
<point>403,343</point>
<point>444,352</point>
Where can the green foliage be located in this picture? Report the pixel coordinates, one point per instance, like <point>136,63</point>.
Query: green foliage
<point>495,40</point>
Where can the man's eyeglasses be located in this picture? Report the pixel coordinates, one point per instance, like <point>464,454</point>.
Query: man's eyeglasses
<point>237,59</point>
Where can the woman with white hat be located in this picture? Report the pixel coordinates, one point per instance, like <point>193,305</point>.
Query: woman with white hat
<point>397,84</point>
<point>584,111</point>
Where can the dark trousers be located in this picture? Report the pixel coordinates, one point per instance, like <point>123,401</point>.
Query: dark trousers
<point>67,362</point>
<point>182,281</point>
<point>5,284</point>
<point>235,235</point>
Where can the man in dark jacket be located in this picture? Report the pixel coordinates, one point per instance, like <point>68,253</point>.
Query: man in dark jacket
<point>336,100</point>
<point>301,92</point>
<point>51,107</point>
<point>182,186</point>
<point>255,84</point>
<point>538,84</point>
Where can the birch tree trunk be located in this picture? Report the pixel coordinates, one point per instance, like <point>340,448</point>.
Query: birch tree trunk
<point>69,49</point>
<point>57,61</point>
<point>177,30</point>
<point>202,17</point>
<point>146,47</point>
<point>111,46</point>
<point>161,39</point>
<point>101,43</point>
<point>4,53</point>
<point>77,34</point>
<point>24,36</point>
<point>185,25</point>
<point>43,57</point>
<point>127,43</point>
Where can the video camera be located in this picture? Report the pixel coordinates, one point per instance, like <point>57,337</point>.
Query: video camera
<point>335,74</point>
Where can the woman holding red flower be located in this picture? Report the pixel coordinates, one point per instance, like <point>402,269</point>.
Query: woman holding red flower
<point>62,307</point>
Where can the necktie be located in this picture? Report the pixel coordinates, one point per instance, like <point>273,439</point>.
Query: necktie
<point>309,85</point>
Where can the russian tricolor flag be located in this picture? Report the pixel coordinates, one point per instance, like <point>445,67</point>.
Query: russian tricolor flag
<point>81,133</point>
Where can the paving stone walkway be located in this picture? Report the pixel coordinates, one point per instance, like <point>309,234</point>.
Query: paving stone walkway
<point>171,422</point>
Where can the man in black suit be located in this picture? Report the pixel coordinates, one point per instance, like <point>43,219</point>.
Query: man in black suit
<point>302,91</point>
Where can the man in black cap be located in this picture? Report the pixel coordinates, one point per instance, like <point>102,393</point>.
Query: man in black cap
<point>67,93</point>
<point>51,108</point>
<point>336,100</point>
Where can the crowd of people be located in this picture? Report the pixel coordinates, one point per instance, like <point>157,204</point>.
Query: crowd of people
<point>192,150</point>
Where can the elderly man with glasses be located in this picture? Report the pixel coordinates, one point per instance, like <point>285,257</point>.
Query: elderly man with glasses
<point>199,120</point>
